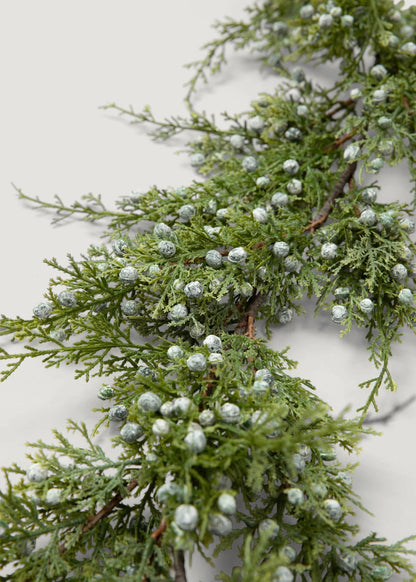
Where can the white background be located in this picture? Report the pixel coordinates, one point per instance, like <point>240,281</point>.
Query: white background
<point>59,62</point>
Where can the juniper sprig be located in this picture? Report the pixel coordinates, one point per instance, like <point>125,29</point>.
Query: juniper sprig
<point>218,442</point>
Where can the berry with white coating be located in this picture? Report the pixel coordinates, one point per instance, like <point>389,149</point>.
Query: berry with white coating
<point>149,402</point>
<point>230,413</point>
<point>128,275</point>
<point>333,509</point>
<point>227,504</point>
<point>42,310</point>
<point>249,164</point>
<point>219,525</point>
<point>166,248</point>
<point>237,255</point>
<point>279,199</point>
<point>130,432</point>
<point>67,299</point>
<point>36,473</point>
<point>329,250</point>
<point>196,363</point>
<point>339,313</point>
<point>175,353</point>
<point>366,305</point>
<point>186,517</point>
<point>178,312</point>
<point>213,259</point>
<point>195,441</point>
<point>160,427</point>
<point>118,413</point>
<point>213,343</point>
<point>193,290</point>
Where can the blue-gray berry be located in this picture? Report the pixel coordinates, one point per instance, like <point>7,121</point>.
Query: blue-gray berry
<point>338,313</point>
<point>178,312</point>
<point>399,272</point>
<point>213,343</point>
<point>119,247</point>
<point>213,259</point>
<point>342,292</point>
<point>196,363</point>
<point>329,250</point>
<point>378,72</point>
<point>67,298</point>
<point>288,553</point>
<point>36,473</point>
<point>376,165</point>
<point>269,528</point>
<point>58,335</point>
<point>325,21</point>
<point>227,504</point>
<point>255,123</point>
<point>175,353</point>
<point>130,307</point>
<point>219,524</point>
<point>299,462</point>
<point>197,160</point>
<point>307,11</point>
<point>295,496</point>
<point>166,491</point>
<point>166,248</point>
<point>206,418</point>
<point>160,427</point>
<point>369,195</point>
<point>409,48</point>
<point>294,187</point>
<point>149,402</point>
<point>193,290</point>
<point>407,225</point>
<point>280,249</point>
<point>230,413</point>
<point>186,517</point>
<point>197,330</point>
<point>406,297</point>
<point>282,573</point>
<point>130,432</point>
<point>42,310</point>
<point>153,271</point>
<point>260,215</point>
<point>355,93</point>
<point>128,275</point>
<point>285,315</point>
<point>262,181</point>
<point>186,212</point>
<point>347,20</point>
<point>333,509</point>
<point>382,572</point>
<point>195,441</point>
<point>106,392</point>
<point>368,217</point>
<point>237,141</point>
<point>351,153</point>
<point>291,264</point>
<point>237,255</point>
<point>279,199</point>
<point>302,110</point>
<point>265,375</point>
<point>379,96</point>
<point>384,122</point>
<point>366,305</point>
<point>53,496</point>
<point>181,405</point>
<point>163,231</point>
<point>117,413</point>
<point>167,409</point>
<point>249,164</point>
<point>291,167</point>
<point>293,134</point>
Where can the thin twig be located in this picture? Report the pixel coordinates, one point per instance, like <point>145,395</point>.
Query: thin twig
<point>250,317</point>
<point>340,141</point>
<point>179,566</point>
<point>338,190</point>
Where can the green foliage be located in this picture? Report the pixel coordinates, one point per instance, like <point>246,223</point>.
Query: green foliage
<point>196,421</point>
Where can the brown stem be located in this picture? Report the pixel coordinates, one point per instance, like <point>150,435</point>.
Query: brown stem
<point>179,566</point>
<point>342,105</point>
<point>157,534</point>
<point>338,190</point>
<point>250,317</point>
<point>106,510</point>
<point>340,141</point>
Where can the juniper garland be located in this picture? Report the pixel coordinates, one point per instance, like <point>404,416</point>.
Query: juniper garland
<point>218,440</point>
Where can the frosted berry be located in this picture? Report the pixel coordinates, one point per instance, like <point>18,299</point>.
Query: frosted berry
<point>230,413</point>
<point>279,200</point>
<point>320,490</point>
<point>406,297</point>
<point>186,517</point>
<point>194,290</point>
<point>246,289</point>
<point>295,496</point>
<point>153,271</point>
<point>355,94</point>
<point>53,496</point>
<point>219,525</point>
<point>280,28</point>
<point>299,462</point>
<point>409,48</point>
<point>399,272</point>
<point>166,491</point>
<point>175,353</point>
<point>384,122</point>
<point>213,343</point>
<point>262,181</point>
<point>195,441</point>
<point>36,473</point>
<point>206,418</point>
<point>366,305</point>
<point>167,409</point>
<point>368,217</point>
<point>407,225</point>
<point>255,123</point>
<point>213,259</point>
<point>332,509</point>
<point>329,250</point>
<point>407,31</point>
<point>222,214</point>
<point>186,212</point>
<point>166,248</point>
<point>291,167</point>
<point>149,402</point>
<point>291,264</point>
<point>294,187</point>
<point>378,72</point>
<point>128,275</point>
<point>338,313</point>
<point>379,96</point>
<point>265,375</point>
<point>130,432</point>
<point>42,310</point>
<point>325,21</point>
<point>160,427</point>
<point>347,20</point>
<point>163,231</point>
<point>289,553</point>
<point>227,504</point>
<point>249,164</point>
<point>351,153</point>
<point>67,299</point>
<point>237,255</point>
<point>382,572</point>
<point>181,405</point>
<point>376,165</point>
<point>269,528</point>
<point>197,160</point>
<point>285,316</point>
<point>280,249</point>
<point>369,195</point>
<point>117,413</point>
<point>106,392</point>
<point>282,574</point>
<point>307,11</point>
<point>119,247</point>
<point>237,141</point>
<point>178,312</point>
<point>196,363</point>
<point>58,335</point>
<point>302,110</point>
<point>130,307</point>
<point>260,215</point>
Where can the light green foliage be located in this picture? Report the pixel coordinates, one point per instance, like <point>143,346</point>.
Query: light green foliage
<point>110,517</point>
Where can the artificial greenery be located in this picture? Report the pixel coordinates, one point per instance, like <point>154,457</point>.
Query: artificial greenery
<point>218,440</point>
